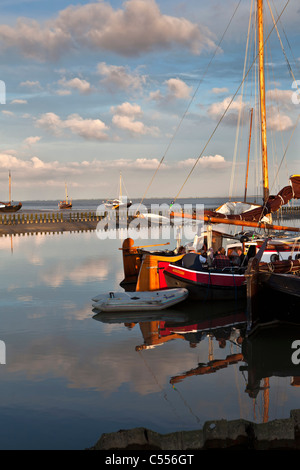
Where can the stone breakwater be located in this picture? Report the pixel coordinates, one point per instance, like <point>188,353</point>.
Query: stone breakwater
<point>283,434</point>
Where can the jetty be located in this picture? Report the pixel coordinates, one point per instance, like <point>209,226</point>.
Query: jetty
<point>26,223</point>
<point>70,221</point>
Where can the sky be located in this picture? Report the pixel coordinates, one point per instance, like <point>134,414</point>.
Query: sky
<point>90,89</point>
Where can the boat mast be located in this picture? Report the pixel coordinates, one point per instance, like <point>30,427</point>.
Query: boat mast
<point>66,192</point>
<point>248,158</point>
<point>260,20</point>
<point>120,191</point>
<point>9,186</point>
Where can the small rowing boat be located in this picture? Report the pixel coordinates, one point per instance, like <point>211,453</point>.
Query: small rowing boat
<point>141,301</point>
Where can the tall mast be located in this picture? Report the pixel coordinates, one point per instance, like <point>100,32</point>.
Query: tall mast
<point>120,191</point>
<point>66,191</point>
<point>260,20</point>
<point>9,186</point>
<point>248,158</point>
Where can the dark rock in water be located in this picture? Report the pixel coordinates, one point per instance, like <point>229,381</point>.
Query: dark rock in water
<point>280,434</point>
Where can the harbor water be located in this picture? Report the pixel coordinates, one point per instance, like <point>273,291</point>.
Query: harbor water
<point>69,375</point>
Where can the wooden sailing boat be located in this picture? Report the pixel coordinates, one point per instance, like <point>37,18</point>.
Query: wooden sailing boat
<point>160,271</point>
<point>9,206</point>
<point>66,204</point>
<point>279,281</point>
<point>118,203</point>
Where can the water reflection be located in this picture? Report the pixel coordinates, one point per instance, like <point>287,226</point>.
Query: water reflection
<point>119,371</point>
<point>260,354</point>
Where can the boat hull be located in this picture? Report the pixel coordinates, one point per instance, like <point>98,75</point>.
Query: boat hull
<point>207,285</point>
<point>288,284</point>
<point>10,208</point>
<point>139,301</point>
<point>64,205</point>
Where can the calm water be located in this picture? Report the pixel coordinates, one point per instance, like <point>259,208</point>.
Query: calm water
<point>70,376</point>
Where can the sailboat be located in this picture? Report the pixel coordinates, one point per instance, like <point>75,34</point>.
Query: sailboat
<point>9,206</point>
<point>66,204</point>
<point>227,282</point>
<point>118,203</point>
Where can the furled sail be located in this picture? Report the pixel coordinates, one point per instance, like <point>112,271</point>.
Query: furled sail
<point>272,205</point>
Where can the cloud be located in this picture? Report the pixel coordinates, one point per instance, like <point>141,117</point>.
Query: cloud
<point>19,101</point>
<point>218,91</point>
<point>120,77</point>
<point>7,113</point>
<point>32,140</point>
<point>82,86</point>
<point>281,97</point>
<point>63,92</point>
<point>90,129</point>
<point>139,27</point>
<point>209,162</point>
<point>176,89</point>
<point>277,121</point>
<point>216,110</point>
<point>35,167</point>
<point>31,84</point>
<point>125,116</point>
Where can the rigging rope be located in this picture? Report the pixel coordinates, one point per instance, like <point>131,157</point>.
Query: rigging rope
<point>224,113</point>
<point>189,104</point>
<point>241,107</point>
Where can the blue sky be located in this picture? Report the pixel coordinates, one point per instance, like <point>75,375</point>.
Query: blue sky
<point>98,87</point>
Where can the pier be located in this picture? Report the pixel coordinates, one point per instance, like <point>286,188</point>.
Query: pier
<point>22,223</point>
<point>37,222</point>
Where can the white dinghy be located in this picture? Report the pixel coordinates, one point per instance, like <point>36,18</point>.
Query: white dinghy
<point>141,301</point>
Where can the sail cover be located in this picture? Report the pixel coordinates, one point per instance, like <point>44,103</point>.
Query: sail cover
<point>272,205</point>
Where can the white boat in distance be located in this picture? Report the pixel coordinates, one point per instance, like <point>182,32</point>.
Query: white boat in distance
<point>139,301</point>
<point>118,203</point>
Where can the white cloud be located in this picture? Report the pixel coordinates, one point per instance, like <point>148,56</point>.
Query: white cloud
<point>125,118</point>
<point>82,86</point>
<point>7,113</point>
<point>216,110</point>
<point>281,97</point>
<point>91,129</point>
<point>120,78</point>
<point>176,89</point>
<point>137,28</point>
<point>35,166</point>
<point>32,140</point>
<point>19,101</point>
<point>31,84</point>
<point>211,161</point>
<point>218,91</point>
<point>277,121</point>
<point>63,92</point>
<point>127,109</point>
